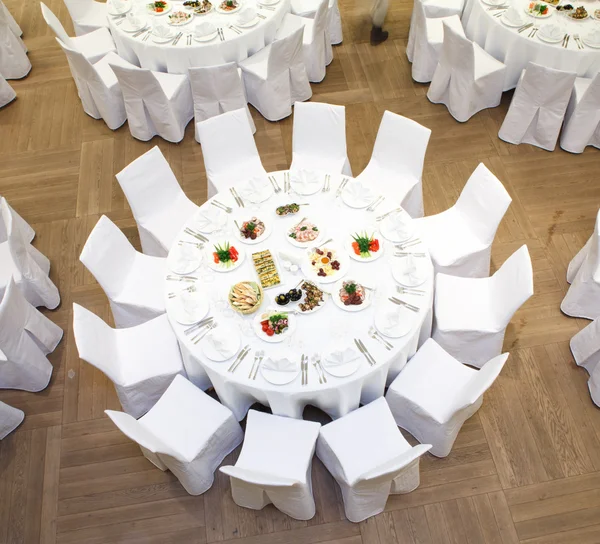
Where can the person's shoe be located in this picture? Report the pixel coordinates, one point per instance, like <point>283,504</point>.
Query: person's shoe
<point>378,35</point>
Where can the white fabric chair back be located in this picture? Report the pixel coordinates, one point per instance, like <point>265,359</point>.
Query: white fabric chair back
<point>27,232</point>
<point>321,16</point>
<point>458,52</point>
<point>7,93</point>
<point>16,29</point>
<point>484,200</point>
<point>582,119</point>
<point>56,26</point>
<point>14,63</point>
<point>388,471</point>
<point>285,53</point>
<point>18,245</point>
<point>480,383</point>
<point>78,9</point>
<point>108,255</point>
<point>10,418</point>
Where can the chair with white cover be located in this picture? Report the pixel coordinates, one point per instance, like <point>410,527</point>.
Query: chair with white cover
<point>369,458</point>
<point>471,314</point>
<point>583,297</point>
<point>186,432</point>
<point>275,465</point>
<point>7,93</point>
<point>460,238</point>
<point>156,103</point>
<point>97,86</point>
<point>20,261</point>
<point>159,205</point>
<point>215,90</point>
<point>26,337</point>
<point>15,28</point>
<point>308,8</point>
<point>27,232</point>
<point>275,77</point>
<point>10,419</point>
<point>538,107</point>
<point>218,136</point>
<point>93,45</point>
<point>141,361</point>
<point>582,118</point>
<point>132,281</point>
<point>316,47</point>
<point>467,78</point>
<point>87,15</point>
<point>14,63</point>
<point>435,394</point>
<point>319,138</point>
<point>397,160</point>
<point>585,347</point>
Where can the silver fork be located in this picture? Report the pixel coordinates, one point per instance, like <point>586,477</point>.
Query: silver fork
<point>201,335</point>
<point>578,41</point>
<point>532,32</point>
<point>401,302</point>
<point>203,323</point>
<point>326,184</point>
<point>274,183</point>
<point>410,291</point>
<point>218,204</point>
<point>381,217</point>
<point>376,203</point>
<point>258,356</point>
<point>341,187</point>
<point>374,333</point>
<point>237,199</point>
<point>320,367</point>
<point>195,234</point>
<point>409,243</point>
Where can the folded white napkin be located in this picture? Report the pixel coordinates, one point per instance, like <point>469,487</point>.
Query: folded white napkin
<point>399,224</point>
<point>340,357</point>
<point>209,217</point>
<point>160,30</point>
<point>186,253</point>
<point>204,29</point>
<point>390,320</point>
<point>411,268</point>
<point>246,15</point>
<point>514,15</point>
<point>280,365</point>
<point>358,192</point>
<point>190,301</point>
<point>219,341</point>
<point>119,5</point>
<point>551,31</point>
<point>593,36</point>
<point>254,189</point>
<point>135,20</point>
<point>304,179</point>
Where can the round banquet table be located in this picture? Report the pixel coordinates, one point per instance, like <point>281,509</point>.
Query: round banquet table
<point>516,49</point>
<point>176,59</point>
<point>325,329</point>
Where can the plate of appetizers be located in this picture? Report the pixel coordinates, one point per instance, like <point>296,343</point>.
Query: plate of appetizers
<point>304,233</point>
<point>245,297</point>
<point>225,257</point>
<point>279,371</point>
<point>365,246</point>
<point>158,8</point>
<point>539,10</point>
<point>288,209</point>
<point>397,226</point>
<point>341,362</point>
<point>305,298</point>
<point>596,14</point>
<point>221,344</point>
<point>180,18</point>
<point>266,269</point>
<point>578,14</point>
<point>325,265</point>
<point>188,306</point>
<point>351,295</point>
<point>274,326</point>
<point>251,230</point>
<point>199,7</point>
<point>229,6</point>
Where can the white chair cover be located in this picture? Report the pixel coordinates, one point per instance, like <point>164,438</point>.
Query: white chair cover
<point>93,46</point>
<point>141,361</point>
<point>582,118</point>
<point>467,79</point>
<point>158,203</point>
<point>275,77</point>
<point>319,138</point>
<point>275,465</point>
<point>215,90</point>
<point>218,136</point>
<point>14,63</point>
<point>186,432</point>
<point>369,458</point>
<point>435,394</point>
<point>10,418</point>
<point>397,160</point>
<point>132,281</point>
<point>471,314</point>
<point>583,297</point>
<point>460,239</point>
<point>7,93</point>
<point>27,232</point>
<point>24,263</point>
<point>537,108</point>
<point>26,337</point>
<point>585,346</point>
<point>308,8</point>
<point>156,103</point>
<point>87,15</point>
<point>15,28</point>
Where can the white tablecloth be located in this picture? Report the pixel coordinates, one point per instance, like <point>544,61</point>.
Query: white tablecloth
<point>326,328</point>
<point>516,50</point>
<point>176,59</point>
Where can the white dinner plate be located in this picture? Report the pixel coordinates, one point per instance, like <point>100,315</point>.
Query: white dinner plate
<point>256,197</point>
<point>311,243</point>
<point>392,235</point>
<point>306,189</point>
<point>335,295</point>
<point>358,204</point>
<point>163,39</point>
<point>182,23</point>
<point>115,13</point>
<point>220,267</point>
<point>235,10</point>
<point>184,317</point>
<point>207,38</point>
<point>550,40</point>
<point>210,219</point>
<point>181,266</point>
<point>249,24</point>
<point>404,326</point>
<point>276,338</point>
<point>279,378</point>
<point>597,17</point>
<point>126,27</point>
<point>403,279</point>
<point>374,254</point>
<point>214,355</point>
<point>590,44</point>
<point>508,23</point>
<point>240,220</point>
<point>166,10</point>
<point>310,274</point>
<point>341,371</point>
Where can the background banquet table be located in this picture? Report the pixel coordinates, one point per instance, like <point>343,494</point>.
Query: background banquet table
<point>516,49</point>
<point>328,328</point>
<point>176,59</point>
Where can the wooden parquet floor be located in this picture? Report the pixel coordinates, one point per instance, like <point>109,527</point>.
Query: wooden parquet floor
<point>525,469</point>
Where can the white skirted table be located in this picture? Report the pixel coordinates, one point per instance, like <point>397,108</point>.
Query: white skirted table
<point>233,46</point>
<point>516,49</point>
<point>332,328</point>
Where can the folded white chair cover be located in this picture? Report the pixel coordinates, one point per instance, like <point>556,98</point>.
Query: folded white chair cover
<point>26,337</point>
<point>319,138</point>
<point>275,77</point>
<point>20,261</point>
<point>93,46</point>
<point>158,203</point>
<point>132,281</point>
<point>14,63</point>
<point>215,90</point>
<point>369,458</point>
<point>397,160</point>
<point>308,8</point>
<point>582,118</point>
<point>435,394</point>
<point>10,418</point>
<point>228,150</point>
<point>471,314</point>
<point>97,86</point>
<point>186,432</point>
<point>316,48</point>
<point>15,28</point>
<point>460,239</point>
<point>87,15</point>
<point>141,361</point>
<point>583,297</point>
<point>156,103</point>
<point>585,346</point>
<point>537,108</point>
<point>275,464</point>
<point>7,93</point>
<point>467,79</point>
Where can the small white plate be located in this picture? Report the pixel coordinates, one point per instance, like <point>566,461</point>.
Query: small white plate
<point>276,338</point>
<point>240,219</point>
<point>126,27</point>
<point>403,279</point>
<point>156,39</point>
<point>279,378</point>
<point>182,23</point>
<point>355,203</point>
<point>220,267</point>
<point>310,274</point>
<point>207,38</point>
<point>213,354</point>
<point>550,40</point>
<point>180,266</point>
<point>152,12</point>
<point>311,243</point>
<point>227,12</point>
<point>186,318</point>
<point>392,235</point>
<point>215,219</point>
<point>266,191</point>
<point>306,189</point>
<point>112,11</point>
<point>509,24</point>
<point>250,23</point>
<point>404,326</point>
<point>341,371</point>
<point>596,17</point>
<point>335,290</point>
<point>374,254</point>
